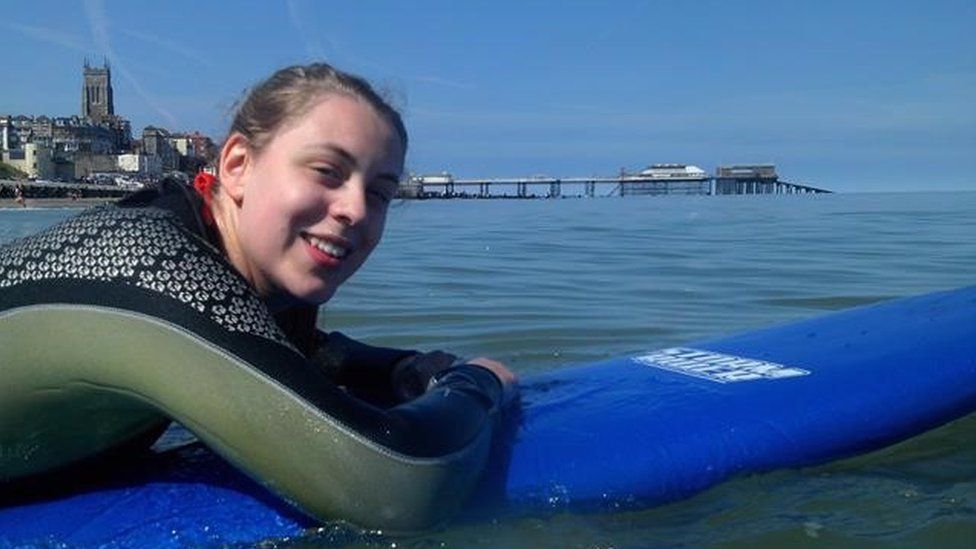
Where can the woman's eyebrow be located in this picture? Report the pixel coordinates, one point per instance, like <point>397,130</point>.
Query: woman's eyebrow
<point>346,155</point>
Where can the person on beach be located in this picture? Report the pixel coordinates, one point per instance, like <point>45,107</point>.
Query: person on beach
<point>19,195</point>
<point>229,276</point>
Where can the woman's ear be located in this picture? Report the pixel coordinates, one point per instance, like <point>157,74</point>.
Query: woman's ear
<point>235,159</point>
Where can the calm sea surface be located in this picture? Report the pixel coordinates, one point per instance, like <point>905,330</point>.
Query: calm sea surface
<point>540,284</point>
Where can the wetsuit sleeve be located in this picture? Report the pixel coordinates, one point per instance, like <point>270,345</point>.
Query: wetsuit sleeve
<point>379,375</point>
<point>463,401</point>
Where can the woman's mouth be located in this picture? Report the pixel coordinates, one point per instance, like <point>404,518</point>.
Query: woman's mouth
<point>327,246</point>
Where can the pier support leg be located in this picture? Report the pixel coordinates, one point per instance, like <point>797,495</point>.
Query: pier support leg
<point>554,190</point>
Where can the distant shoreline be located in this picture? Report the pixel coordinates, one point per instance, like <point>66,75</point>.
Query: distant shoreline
<point>54,203</point>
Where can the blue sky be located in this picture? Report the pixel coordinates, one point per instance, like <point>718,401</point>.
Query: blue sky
<point>851,96</point>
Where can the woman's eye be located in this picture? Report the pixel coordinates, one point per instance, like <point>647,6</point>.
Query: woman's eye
<point>329,172</point>
<point>382,195</point>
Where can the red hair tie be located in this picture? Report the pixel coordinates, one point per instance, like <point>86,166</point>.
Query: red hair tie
<point>203,183</point>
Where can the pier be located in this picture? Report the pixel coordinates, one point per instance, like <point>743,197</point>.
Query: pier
<point>660,179</point>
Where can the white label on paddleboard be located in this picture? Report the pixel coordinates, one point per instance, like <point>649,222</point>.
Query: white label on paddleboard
<point>717,366</point>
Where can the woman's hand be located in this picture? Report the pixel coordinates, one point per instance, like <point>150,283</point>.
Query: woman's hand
<point>507,377</point>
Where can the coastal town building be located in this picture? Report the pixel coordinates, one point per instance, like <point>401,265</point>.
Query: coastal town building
<point>65,134</point>
<point>139,164</point>
<point>185,152</point>
<point>97,102</point>
<point>32,159</point>
<point>157,142</point>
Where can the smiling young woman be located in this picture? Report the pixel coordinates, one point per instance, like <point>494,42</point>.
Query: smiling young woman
<point>299,215</point>
<point>201,308</point>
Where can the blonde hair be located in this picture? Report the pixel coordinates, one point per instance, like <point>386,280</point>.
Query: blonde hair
<point>290,92</point>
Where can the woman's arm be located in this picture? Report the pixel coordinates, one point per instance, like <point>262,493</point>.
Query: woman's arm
<point>382,376</point>
<point>379,375</point>
<point>398,390</point>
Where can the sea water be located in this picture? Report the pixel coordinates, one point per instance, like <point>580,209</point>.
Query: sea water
<point>541,284</point>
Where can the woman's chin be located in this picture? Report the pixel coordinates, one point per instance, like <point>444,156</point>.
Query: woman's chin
<point>314,296</point>
<point>287,297</point>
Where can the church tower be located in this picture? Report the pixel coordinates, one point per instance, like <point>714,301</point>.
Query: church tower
<point>96,93</point>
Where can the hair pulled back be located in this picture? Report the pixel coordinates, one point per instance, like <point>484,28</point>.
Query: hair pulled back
<point>291,91</point>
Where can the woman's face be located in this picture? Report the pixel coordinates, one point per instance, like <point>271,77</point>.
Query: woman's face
<point>312,204</point>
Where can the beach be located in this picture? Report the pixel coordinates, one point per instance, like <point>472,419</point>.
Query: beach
<point>55,203</point>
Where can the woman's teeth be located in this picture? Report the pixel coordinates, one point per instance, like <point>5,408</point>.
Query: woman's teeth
<point>327,247</point>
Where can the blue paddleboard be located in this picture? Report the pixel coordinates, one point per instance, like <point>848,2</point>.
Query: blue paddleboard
<point>642,430</point>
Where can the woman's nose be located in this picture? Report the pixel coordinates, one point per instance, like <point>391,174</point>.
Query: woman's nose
<point>349,203</point>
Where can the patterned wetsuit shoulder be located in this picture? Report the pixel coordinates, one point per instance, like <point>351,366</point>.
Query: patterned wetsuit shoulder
<point>146,248</point>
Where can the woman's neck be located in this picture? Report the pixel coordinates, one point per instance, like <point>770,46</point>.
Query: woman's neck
<point>225,215</point>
